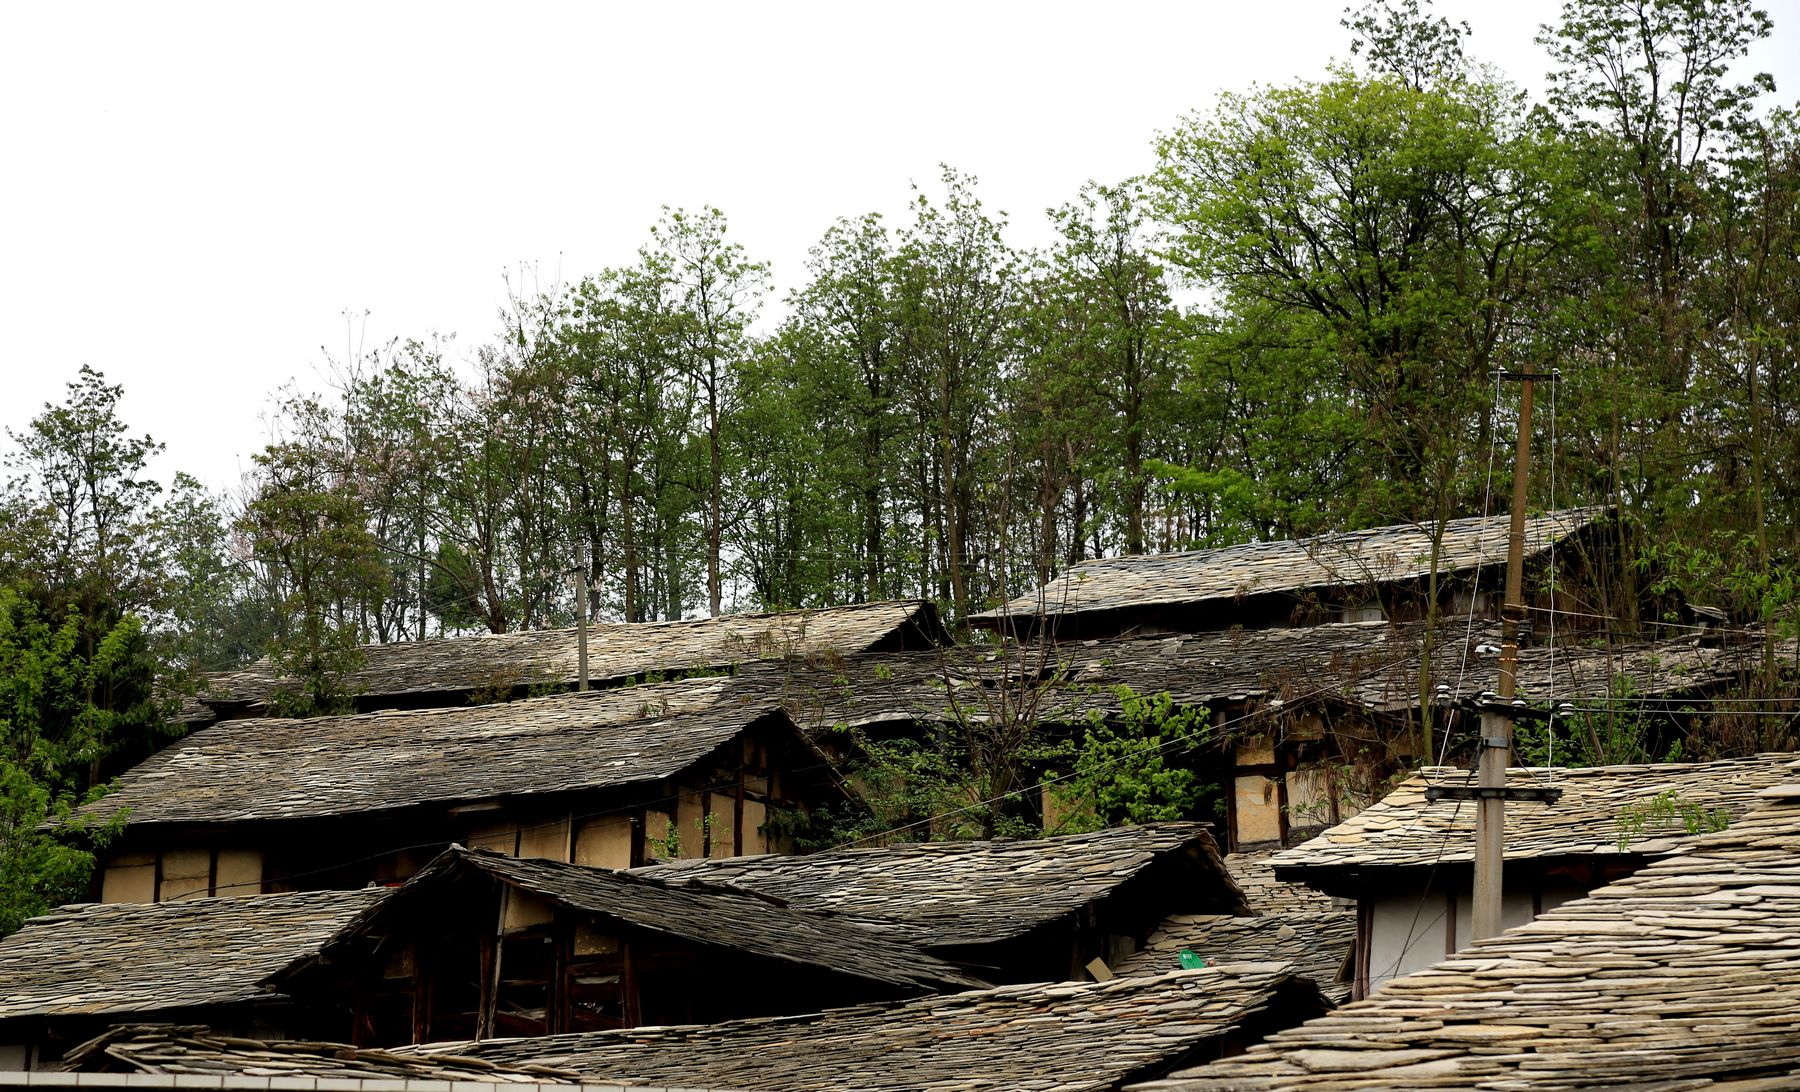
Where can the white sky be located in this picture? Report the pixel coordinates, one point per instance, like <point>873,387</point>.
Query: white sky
<point>191,197</point>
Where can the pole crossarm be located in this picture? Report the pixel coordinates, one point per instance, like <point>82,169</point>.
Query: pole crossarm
<point>1541,793</point>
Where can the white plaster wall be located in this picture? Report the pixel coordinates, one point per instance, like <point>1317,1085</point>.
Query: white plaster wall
<point>1407,932</point>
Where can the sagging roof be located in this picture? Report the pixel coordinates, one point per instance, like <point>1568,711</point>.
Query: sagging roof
<point>270,769</point>
<point>1066,1036</point>
<point>1314,944</point>
<point>953,894</point>
<point>1405,830</point>
<point>617,652</point>
<point>1364,558</point>
<point>1681,975</point>
<point>198,1051</point>
<point>707,915</point>
<point>146,958</point>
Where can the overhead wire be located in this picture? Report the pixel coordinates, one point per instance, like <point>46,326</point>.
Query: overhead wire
<point>1550,725</point>
<point>1487,494</point>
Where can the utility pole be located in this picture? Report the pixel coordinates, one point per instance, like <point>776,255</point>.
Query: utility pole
<point>1494,754</point>
<point>581,618</point>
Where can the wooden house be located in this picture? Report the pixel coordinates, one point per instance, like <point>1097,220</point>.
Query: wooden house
<point>66,976</point>
<point>1367,575</point>
<point>1078,1037</point>
<point>481,945</point>
<point>1407,862</point>
<point>609,778</point>
<point>1308,724</point>
<point>453,671</point>
<point>1681,975</point>
<point>1011,910</point>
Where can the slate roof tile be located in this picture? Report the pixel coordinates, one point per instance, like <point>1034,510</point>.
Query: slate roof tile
<point>1314,944</point>
<point>616,652</point>
<point>1370,665</point>
<point>1067,1036</point>
<point>267,769</point>
<point>1681,976</point>
<point>1404,829</point>
<point>709,915</point>
<point>946,894</point>
<point>144,958</point>
<point>1352,558</point>
<point>1255,876</point>
<point>193,1050</point>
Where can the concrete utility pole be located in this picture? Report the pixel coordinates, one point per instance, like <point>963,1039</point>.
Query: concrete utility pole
<point>581,619</point>
<point>1497,724</point>
<point>1494,754</point>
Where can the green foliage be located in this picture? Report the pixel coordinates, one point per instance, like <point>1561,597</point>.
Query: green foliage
<point>1125,768</point>
<point>307,522</point>
<point>1666,810</point>
<point>68,719</point>
<point>1620,730</point>
<point>37,872</point>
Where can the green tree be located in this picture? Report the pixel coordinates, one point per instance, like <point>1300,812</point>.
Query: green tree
<point>954,285</point>
<point>307,524</point>
<point>1126,768</point>
<point>717,290</point>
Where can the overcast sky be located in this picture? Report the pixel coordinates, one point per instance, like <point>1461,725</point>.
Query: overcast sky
<point>192,197</point>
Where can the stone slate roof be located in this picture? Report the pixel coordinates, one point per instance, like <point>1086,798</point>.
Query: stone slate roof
<point>270,769</point>
<point>1349,559</point>
<point>1369,665</point>
<point>1313,944</point>
<point>195,1051</point>
<point>616,653</point>
<point>1404,829</point>
<point>699,913</point>
<point>145,958</point>
<point>1255,876</point>
<point>1680,976</point>
<point>950,894</point>
<point>1066,1036</point>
